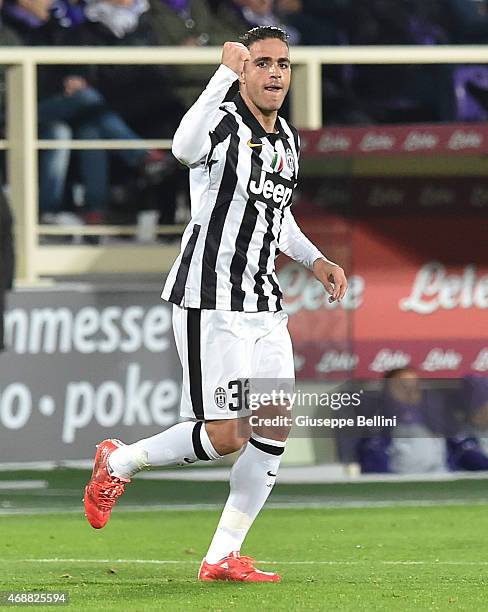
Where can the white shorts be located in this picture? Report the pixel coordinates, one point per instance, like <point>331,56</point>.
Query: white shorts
<point>220,351</point>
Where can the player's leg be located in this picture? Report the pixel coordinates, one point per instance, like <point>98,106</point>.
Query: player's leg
<point>181,444</point>
<point>209,351</point>
<point>53,168</point>
<point>254,472</point>
<point>211,356</point>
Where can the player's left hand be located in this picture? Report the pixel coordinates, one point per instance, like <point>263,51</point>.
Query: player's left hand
<point>332,278</point>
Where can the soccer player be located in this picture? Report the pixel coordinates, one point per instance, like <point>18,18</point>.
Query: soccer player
<point>228,320</point>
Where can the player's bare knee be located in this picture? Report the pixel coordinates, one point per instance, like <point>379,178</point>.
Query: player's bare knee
<point>278,433</point>
<point>272,422</point>
<point>228,436</point>
<point>228,447</point>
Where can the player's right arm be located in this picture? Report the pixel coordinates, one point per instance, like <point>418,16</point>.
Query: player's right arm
<point>191,142</point>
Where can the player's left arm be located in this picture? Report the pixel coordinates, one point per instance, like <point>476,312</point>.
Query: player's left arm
<point>296,245</point>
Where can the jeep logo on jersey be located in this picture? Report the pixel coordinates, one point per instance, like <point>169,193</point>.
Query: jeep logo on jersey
<point>272,189</point>
<point>220,397</point>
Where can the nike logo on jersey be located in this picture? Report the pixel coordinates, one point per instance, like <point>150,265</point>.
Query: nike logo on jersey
<point>271,474</point>
<point>254,145</point>
<point>272,189</point>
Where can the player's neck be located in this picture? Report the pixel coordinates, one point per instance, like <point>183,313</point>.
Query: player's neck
<point>266,120</point>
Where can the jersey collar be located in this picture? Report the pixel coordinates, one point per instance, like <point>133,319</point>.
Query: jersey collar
<point>250,120</point>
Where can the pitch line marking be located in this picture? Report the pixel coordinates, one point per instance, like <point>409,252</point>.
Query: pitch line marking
<point>22,485</point>
<point>312,505</point>
<point>263,561</point>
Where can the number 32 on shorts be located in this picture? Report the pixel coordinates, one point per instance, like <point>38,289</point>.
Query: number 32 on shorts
<point>239,397</point>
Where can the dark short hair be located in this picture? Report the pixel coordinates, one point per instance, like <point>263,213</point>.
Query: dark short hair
<point>263,33</point>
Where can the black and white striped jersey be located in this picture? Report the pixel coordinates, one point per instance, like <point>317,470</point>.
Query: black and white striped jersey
<point>241,184</point>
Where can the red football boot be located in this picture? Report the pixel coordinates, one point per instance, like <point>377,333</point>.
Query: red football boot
<point>103,490</point>
<point>237,568</point>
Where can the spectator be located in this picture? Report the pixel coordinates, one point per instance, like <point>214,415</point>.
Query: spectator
<point>120,17</point>
<point>190,23</point>
<point>7,262</point>
<point>467,453</point>
<point>475,401</point>
<point>480,94</point>
<point>400,93</point>
<point>427,23</point>
<point>242,15</point>
<point>317,22</point>
<point>468,21</point>
<point>411,447</point>
<point>80,110</point>
<point>68,13</point>
<point>69,106</point>
<point>38,21</point>
<point>156,114</point>
<point>8,38</point>
<point>414,446</point>
<point>468,449</point>
<point>29,18</point>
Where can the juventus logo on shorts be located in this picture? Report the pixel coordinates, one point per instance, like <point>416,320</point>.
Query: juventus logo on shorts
<point>220,397</point>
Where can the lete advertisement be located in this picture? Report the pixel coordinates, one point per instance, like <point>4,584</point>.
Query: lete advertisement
<point>418,295</point>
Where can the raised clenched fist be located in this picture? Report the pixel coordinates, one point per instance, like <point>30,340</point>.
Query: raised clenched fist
<point>234,55</point>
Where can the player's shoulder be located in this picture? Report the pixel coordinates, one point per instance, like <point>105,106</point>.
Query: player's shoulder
<point>229,110</point>
<point>291,130</point>
<point>225,123</point>
<point>228,113</point>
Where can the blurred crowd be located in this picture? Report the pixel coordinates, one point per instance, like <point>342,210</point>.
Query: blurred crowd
<point>439,427</point>
<point>129,102</point>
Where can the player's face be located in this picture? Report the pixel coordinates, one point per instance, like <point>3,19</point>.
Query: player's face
<point>266,76</point>
<point>405,387</point>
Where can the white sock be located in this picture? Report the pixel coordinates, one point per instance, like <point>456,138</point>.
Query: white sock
<point>181,444</point>
<point>251,480</point>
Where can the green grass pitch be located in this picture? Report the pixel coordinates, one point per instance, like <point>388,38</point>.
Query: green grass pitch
<point>417,546</point>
